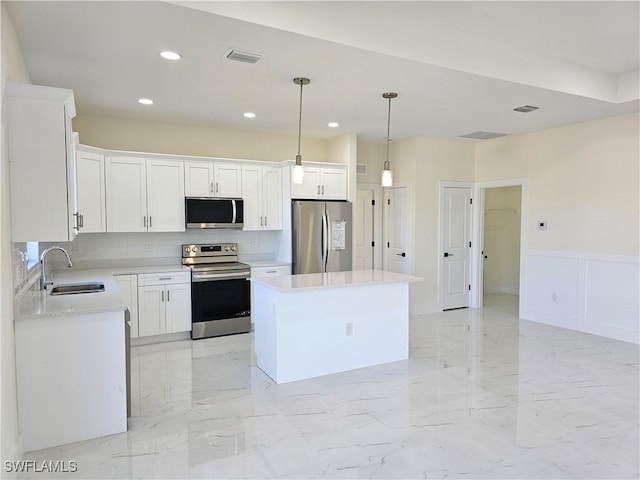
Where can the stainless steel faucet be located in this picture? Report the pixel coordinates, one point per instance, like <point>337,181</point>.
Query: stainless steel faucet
<point>44,283</point>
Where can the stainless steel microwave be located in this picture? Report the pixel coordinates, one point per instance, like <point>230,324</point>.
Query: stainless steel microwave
<point>202,212</point>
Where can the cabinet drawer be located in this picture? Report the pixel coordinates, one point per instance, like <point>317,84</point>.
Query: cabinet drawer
<point>164,278</point>
<point>275,271</point>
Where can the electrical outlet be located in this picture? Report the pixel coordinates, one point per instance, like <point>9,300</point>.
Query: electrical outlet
<point>349,329</point>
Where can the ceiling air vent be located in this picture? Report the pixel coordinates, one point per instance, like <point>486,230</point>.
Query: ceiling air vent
<point>244,56</point>
<point>483,135</point>
<point>525,109</point>
<point>361,169</point>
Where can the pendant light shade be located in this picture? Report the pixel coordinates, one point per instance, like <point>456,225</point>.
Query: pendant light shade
<point>297,173</point>
<point>387,174</point>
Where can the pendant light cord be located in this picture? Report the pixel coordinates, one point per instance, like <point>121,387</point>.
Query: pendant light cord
<point>388,130</point>
<point>300,119</point>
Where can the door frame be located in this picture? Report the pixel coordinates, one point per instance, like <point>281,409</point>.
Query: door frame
<point>377,222</point>
<point>477,240</point>
<point>411,212</point>
<point>442,184</point>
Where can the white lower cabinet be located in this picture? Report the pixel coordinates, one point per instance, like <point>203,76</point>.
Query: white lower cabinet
<point>128,286</point>
<point>272,271</point>
<point>164,303</point>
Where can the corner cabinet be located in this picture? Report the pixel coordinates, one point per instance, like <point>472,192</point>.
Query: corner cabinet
<point>144,195</point>
<point>213,179</point>
<point>42,160</point>
<point>164,303</point>
<point>321,183</point>
<point>262,187</point>
<point>128,286</point>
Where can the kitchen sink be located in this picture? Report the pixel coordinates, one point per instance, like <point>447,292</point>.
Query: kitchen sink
<point>75,288</point>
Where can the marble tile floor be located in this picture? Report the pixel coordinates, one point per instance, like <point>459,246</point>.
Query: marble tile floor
<point>483,395</point>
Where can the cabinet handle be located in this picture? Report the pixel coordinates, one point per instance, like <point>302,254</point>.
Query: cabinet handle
<point>168,296</point>
<point>81,220</point>
<point>144,221</point>
<point>265,221</point>
<point>217,189</point>
<point>323,189</point>
<point>261,224</point>
<point>318,189</point>
<point>272,271</point>
<point>164,278</point>
<point>211,187</point>
<point>162,293</point>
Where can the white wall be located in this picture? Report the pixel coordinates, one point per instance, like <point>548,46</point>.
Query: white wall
<point>158,137</point>
<point>13,69</point>
<point>501,243</point>
<point>583,271</point>
<point>372,155</point>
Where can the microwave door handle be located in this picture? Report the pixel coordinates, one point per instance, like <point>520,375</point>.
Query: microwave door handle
<point>233,214</point>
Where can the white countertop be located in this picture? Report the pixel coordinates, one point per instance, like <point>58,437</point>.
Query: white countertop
<point>40,304</point>
<point>266,263</point>
<point>293,283</point>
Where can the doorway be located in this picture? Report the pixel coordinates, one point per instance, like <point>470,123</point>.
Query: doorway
<point>501,245</point>
<point>398,229</point>
<point>367,227</point>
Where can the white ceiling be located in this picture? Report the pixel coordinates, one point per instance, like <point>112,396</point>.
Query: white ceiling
<point>458,67</point>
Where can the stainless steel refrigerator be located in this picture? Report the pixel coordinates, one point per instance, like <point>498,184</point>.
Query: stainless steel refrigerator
<point>321,236</point>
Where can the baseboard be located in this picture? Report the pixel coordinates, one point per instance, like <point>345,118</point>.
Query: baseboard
<point>166,337</point>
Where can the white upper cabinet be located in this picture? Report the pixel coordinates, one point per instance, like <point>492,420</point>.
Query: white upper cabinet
<point>126,194</point>
<point>144,195</point>
<point>321,183</point>
<point>262,187</point>
<point>198,179</point>
<point>91,192</point>
<point>165,196</point>
<point>41,162</point>
<point>209,179</point>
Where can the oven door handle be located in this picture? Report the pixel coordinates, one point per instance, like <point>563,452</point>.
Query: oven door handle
<point>209,277</point>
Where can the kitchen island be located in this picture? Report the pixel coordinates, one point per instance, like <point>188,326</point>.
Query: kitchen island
<point>321,323</point>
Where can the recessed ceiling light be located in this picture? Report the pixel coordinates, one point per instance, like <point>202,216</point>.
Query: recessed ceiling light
<point>170,55</point>
<point>333,124</point>
<point>145,101</point>
<point>249,115</point>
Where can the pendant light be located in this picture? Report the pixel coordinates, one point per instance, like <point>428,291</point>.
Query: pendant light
<point>297,173</point>
<point>387,174</point>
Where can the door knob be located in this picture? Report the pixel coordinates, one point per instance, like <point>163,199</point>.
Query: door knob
<point>403,254</point>
<point>446,254</point>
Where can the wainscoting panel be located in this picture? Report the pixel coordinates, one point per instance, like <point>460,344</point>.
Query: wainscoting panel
<point>597,294</point>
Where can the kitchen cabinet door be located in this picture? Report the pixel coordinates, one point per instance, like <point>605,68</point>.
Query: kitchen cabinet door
<point>151,310</point>
<point>41,163</point>
<point>252,188</point>
<point>178,308</point>
<point>128,286</point>
<point>126,195</point>
<point>91,192</point>
<point>310,186</point>
<point>198,179</point>
<point>165,196</point>
<point>272,198</point>
<point>227,180</point>
<point>333,184</point>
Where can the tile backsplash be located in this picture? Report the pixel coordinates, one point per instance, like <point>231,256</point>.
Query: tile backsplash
<point>144,248</point>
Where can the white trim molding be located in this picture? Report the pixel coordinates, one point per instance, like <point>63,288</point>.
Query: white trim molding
<point>591,293</point>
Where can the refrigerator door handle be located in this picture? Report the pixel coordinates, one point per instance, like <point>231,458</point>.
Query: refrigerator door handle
<point>324,241</point>
<point>328,247</point>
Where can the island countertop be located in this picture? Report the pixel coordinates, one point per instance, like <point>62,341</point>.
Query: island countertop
<point>354,278</point>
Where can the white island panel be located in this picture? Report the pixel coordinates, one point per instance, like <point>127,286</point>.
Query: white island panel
<point>304,329</point>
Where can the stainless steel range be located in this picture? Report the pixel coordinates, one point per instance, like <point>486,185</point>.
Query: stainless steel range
<point>220,292</point>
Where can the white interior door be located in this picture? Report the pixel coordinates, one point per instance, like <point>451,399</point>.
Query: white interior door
<point>456,246</point>
<point>363,259</point>
<point>398,229</point>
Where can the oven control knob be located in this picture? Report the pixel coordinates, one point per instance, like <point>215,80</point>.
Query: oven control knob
<point>226,249</point>
<point>186,249</point>
<point>233,248</point>
<point>194,249</point>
